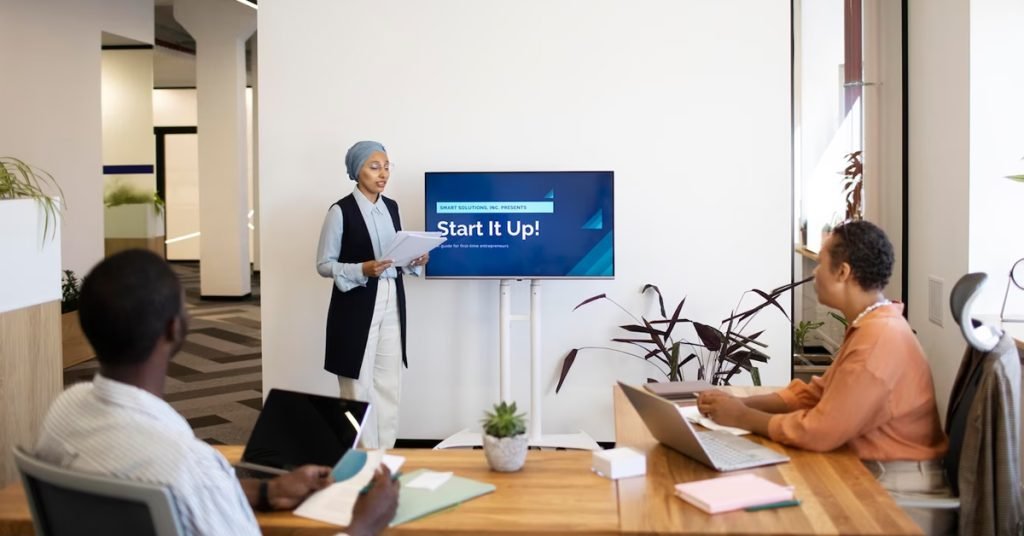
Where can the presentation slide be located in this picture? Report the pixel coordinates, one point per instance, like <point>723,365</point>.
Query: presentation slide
<point>522,225</point>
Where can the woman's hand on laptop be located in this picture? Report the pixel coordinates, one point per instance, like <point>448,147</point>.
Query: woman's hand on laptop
<point>707,398</point>
<point>724,409</point>
<point>729,410</point>
<point>290,489</point>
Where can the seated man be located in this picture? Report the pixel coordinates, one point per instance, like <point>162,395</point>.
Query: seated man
<point>132,311</point>
<point>877,398</point>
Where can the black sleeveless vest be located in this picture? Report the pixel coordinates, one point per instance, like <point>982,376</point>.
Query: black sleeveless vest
<point>350,313</point>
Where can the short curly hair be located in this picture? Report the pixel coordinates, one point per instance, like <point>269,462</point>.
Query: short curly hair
<point>864,246</point>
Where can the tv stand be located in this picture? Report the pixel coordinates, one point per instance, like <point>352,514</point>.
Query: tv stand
<point>467,438</point>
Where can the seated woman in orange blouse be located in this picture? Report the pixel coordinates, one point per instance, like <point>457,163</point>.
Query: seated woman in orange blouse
<point>877,398</point>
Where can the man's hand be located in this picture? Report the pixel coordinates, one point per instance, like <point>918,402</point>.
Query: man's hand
<point>375,509</point>
<point>420,261</point>
<point>288,490</point>
<point>375,268</point>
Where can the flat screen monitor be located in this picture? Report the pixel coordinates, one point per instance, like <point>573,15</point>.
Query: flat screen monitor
<point>522,224</point>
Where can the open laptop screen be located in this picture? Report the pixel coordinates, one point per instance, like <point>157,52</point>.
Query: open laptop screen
<point>295,428</point>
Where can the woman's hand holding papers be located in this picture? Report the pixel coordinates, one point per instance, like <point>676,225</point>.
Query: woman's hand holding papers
<point>375,268</point>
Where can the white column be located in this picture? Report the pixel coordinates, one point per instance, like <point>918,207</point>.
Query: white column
<point>220,28</point>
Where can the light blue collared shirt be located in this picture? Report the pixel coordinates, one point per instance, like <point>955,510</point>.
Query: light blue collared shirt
<point>349,275</point>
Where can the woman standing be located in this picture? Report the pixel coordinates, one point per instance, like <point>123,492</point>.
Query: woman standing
<point>366,319</point>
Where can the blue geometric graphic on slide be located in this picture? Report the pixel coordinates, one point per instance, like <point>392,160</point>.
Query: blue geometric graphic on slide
<point>598,262</point>
<point>550,195</point>
<point>596,222</point>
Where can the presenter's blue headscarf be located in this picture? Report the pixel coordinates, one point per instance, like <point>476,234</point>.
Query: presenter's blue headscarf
<point>357,155</point>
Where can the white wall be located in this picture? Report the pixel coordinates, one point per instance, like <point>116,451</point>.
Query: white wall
<point>51,126</point>
<point>939,58</point>
<point>687,101</point>
<point>127,108</point>
<point>996,148</point>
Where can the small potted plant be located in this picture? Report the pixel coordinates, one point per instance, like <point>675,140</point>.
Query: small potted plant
<point>505,438</point>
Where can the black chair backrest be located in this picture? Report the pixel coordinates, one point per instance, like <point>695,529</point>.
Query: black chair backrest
<point>66,512</point>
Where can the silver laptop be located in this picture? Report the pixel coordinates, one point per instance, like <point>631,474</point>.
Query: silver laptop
<point>721,451</point>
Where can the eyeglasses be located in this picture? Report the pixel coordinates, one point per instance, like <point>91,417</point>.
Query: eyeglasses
<point>377,166</point>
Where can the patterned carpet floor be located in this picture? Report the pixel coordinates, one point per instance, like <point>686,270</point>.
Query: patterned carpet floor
<point>216,380</point>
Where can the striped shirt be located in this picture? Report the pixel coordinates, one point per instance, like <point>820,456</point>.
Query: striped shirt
<point>116,429</point>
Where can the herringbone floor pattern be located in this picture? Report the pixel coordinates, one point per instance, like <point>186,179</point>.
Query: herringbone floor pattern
<point>216,380</point>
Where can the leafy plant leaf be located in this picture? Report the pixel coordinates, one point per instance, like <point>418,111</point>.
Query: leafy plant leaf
<point>708,335</point>
<point>590,299</point>
<point>661,300</point>
<point>675,316</point>
<point>655,338</point>
<point>570,358</point>
<point>648,328</point>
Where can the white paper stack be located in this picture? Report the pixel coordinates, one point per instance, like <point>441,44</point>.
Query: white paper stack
<point>692,414</point>
<point>334,503</point>
<point>411,245</point>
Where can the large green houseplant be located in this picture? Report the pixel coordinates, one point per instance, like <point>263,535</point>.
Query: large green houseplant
<point>19,180</point>
<point>720,353</point>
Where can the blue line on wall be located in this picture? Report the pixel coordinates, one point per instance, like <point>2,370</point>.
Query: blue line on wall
<point>128,170</point>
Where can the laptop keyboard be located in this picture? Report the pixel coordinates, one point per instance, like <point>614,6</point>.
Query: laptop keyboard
<point>725,451</point>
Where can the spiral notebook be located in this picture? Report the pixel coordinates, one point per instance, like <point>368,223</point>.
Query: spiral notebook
<point>729,493</point>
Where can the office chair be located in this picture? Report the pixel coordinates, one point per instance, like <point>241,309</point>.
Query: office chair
<point>71,503</point>
<point>982,465</point>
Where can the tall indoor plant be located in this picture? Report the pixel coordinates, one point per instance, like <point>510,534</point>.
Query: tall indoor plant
<point>720,352</point>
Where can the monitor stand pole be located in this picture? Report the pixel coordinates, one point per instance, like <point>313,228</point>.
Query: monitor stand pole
<point>466,438</point>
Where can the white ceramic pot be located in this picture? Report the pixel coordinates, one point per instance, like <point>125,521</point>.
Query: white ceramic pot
<point>506,454</point>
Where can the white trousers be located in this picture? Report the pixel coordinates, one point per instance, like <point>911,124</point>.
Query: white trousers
<point>380,376</point>
<point>918,480</point>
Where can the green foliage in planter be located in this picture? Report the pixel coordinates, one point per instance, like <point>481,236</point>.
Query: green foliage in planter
<point>19,180</point>
<point>800,332</point>
<point>503,421</point>
<point>70,286</point>
<point>124,194</point>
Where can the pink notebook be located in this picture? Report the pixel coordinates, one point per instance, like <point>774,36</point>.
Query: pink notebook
<point>727,493</point>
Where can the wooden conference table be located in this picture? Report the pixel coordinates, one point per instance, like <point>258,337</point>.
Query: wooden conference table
<point>556,493</point>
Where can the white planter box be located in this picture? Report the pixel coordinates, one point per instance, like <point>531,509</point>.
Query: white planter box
<point>132,221</point>
<point>30,269</point>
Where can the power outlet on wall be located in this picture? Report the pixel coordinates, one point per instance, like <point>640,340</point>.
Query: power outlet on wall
<point>935,300</point>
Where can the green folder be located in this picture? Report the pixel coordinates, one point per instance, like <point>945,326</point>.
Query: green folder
<point>414,503</point>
